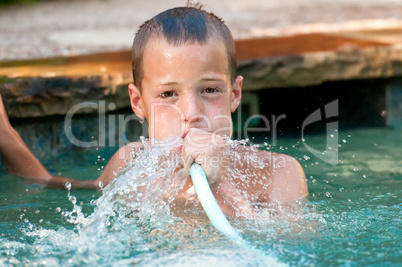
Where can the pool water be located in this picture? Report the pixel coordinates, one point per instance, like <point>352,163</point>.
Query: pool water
<point>352,217</point>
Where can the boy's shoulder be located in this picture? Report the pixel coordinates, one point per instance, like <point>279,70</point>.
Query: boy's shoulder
<point>281,175</point>
<point>267,158</point>
<point>288,180</point>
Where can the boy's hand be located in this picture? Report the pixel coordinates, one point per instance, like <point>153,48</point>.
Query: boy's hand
<point>204,148</point>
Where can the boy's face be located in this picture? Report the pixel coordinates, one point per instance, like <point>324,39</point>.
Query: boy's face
<point>186,86</point>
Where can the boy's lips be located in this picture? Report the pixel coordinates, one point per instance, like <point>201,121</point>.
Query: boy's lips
<point>186,130</point>
<point>184,134</point>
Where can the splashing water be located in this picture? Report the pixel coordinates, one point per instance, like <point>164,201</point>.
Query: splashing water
<point>130,226</point>
<point>144,188</point>
<point>132,222</point>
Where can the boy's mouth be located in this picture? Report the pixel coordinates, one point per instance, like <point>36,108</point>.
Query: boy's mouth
<point>186,131</point>
<point>183,136</point>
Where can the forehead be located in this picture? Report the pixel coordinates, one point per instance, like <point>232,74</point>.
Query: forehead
<point>160,56</point>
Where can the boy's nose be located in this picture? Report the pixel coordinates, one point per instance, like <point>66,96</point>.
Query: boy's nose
<point>192,107</point>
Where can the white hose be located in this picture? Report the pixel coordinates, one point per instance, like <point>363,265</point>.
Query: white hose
<point>219,220</point>
<point>210,205</point>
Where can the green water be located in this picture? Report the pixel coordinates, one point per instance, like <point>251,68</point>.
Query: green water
<point>352,217</point>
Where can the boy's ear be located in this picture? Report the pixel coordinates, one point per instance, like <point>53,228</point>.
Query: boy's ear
<point>136,101</point>
<point>236,93</point>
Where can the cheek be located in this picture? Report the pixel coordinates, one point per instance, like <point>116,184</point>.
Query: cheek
<point>220,115</point>
<point>163,121</point>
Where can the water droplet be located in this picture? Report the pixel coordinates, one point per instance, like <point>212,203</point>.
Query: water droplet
<point>328,194</point>
<point>100,184</point>
<point>306,157</point>
<point>355,169</point>
<point>72,199</point>
<point>68,185</point>
<point>112,106</point>
<point>364,176</point>
<point>341,189</point>
<point>344,140</point>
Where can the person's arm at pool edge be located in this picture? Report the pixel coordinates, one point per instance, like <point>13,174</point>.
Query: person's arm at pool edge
<point>16,156</point>
<point>20,161</point>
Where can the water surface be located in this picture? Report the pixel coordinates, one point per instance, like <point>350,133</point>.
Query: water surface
<point>351,218</point>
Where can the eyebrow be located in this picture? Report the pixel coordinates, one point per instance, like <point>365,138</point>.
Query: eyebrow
<point>203,80</point>
<point>214,78</point>
<point>169,83</point>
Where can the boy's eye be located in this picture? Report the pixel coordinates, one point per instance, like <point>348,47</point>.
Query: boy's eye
<point>210,90</point>
<point>167,94</point>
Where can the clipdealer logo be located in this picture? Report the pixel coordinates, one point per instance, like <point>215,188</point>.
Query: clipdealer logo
<point>327,114</point>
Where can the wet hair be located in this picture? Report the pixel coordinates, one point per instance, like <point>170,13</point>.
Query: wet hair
<point>179,26</point>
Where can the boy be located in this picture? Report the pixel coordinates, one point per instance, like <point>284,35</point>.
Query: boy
<point>185,86</point>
